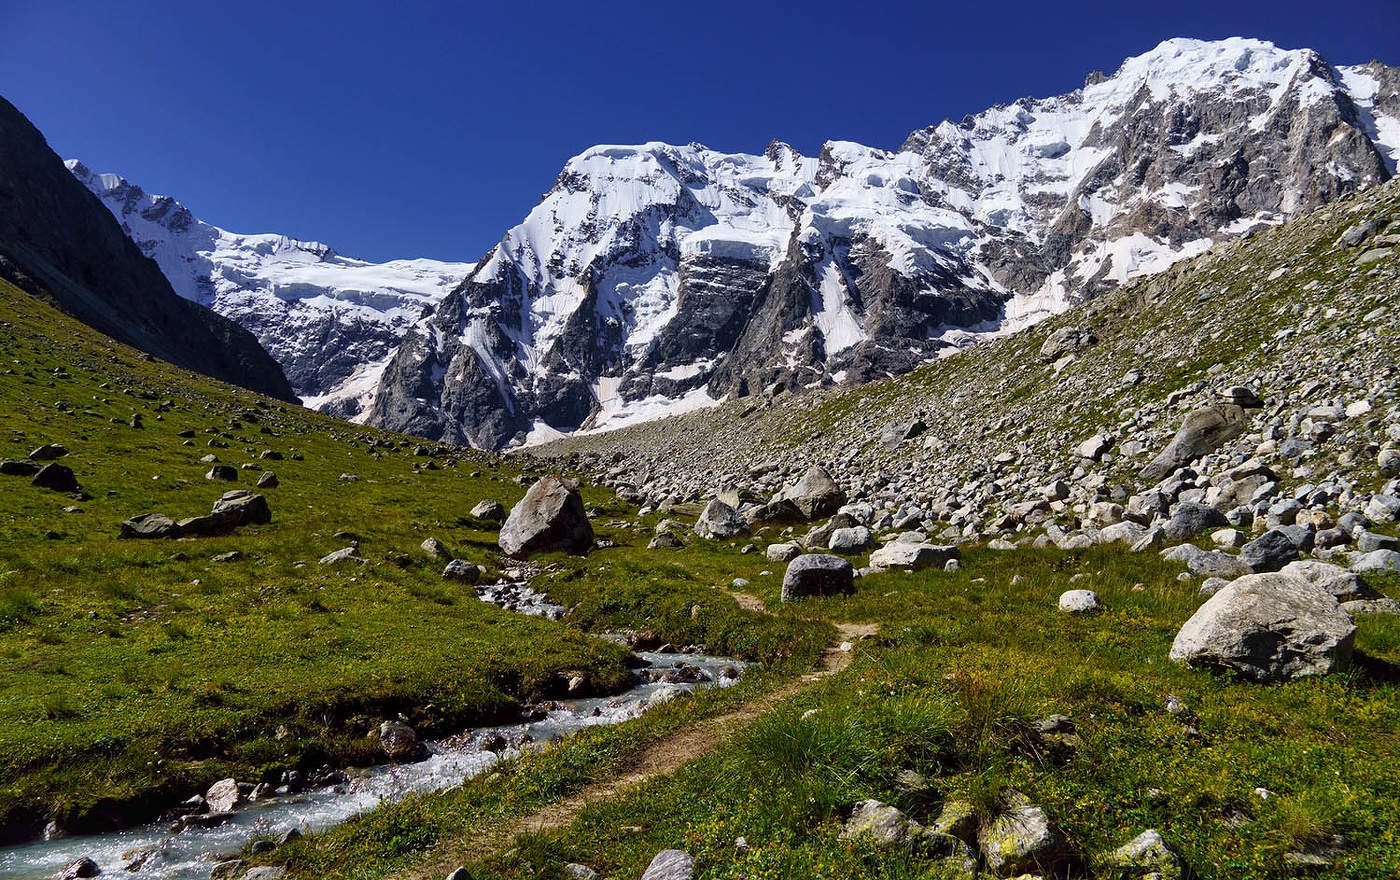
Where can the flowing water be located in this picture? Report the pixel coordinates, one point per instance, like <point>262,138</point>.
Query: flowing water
<point>155,851</point>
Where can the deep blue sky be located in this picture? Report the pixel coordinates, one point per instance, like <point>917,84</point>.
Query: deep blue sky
<point>408,128</point>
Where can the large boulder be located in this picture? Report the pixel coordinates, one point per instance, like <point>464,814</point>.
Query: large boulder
<point>911,556</point>
<point>817,574</point>
<point>816,495</point>
<point>1203,431</point>
<point>718,520</point>
<point>856,539</point>
<point>1267,627</point>
<point>549,517</point>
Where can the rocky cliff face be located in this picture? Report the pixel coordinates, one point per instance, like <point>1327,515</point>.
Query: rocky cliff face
<point>331,321</point>
<point>57,241</point>
<point>659,278</point>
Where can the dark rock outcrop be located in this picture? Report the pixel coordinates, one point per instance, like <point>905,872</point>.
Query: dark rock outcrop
<point>59,243</point>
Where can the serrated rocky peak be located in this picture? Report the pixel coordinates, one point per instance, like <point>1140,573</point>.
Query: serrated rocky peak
<point>331,321</point>
<point>658,278</point>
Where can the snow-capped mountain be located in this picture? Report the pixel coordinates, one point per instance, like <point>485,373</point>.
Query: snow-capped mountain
<point>331,321</point>
<point>654,278</point>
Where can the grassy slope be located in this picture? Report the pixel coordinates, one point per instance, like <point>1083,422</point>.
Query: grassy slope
<point>139,671</point>
<point>966,663</point>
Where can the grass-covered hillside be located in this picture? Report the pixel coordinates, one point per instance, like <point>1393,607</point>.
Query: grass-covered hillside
<point>135,672</point>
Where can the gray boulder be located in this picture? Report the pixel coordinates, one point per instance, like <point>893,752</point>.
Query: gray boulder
<point>1079,601</point>
<point>881,823</point>
<point>1190,519</point>
<point>1341,583</point>
<point>1269,552</point>
<point>1203,431</point>
<point>462,571</point>
<point>1146,854</point>
<point>670,864</point>
<point>816,495</point>
<point>911,556</point>
<point>1065,340</point>
<point>549,517</point>
<point>1267,627</point>
<point>241,507</point>
<point>436,549</point>
<point>1376,560</point>
<point>490,510</point>
<point>149,525</point>
<point>852,540</point>
<point>817,574</point>
<point>784,551</point>
<point>718,521</point>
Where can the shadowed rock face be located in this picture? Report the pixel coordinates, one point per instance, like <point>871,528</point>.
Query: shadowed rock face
<point>57,241</point>
<point>658,276</point>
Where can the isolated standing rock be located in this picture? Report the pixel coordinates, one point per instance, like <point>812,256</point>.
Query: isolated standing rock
<point>1267,627</point>
<point>549,517</point>
<point>817,574</point>
<point>1065,340</point>
<point>462,571</point>
<point>1203,431</point>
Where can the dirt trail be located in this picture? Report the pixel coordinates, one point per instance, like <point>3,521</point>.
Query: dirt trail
<point>664,756</point>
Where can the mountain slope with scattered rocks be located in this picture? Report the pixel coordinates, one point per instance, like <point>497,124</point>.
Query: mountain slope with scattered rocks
<point>660,278</point>
<point>1257,381</point>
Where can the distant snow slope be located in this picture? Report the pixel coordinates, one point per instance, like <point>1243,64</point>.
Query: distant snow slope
<point>653,278</point>
<point>330,321</point>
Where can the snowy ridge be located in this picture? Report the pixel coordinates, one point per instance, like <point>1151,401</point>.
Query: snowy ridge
<point>331,321</point>
<point>656,277</point>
